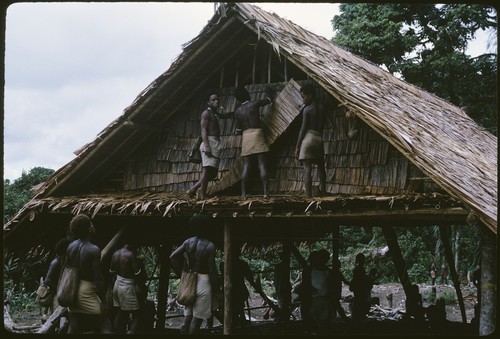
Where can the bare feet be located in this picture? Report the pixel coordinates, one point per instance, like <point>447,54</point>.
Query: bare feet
<point>191,193</point>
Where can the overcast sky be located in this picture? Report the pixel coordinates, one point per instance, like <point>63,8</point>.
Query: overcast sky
<point>72,68</point>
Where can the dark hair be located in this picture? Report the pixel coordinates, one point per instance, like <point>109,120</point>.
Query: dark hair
<point>210,93</point>
<point>323,256</point>
<point>241,94</point>
<point>80,225</point>
<point>62,246</point>
<point>360,258</point>
<point>199,224</point>
<point>308,89</point>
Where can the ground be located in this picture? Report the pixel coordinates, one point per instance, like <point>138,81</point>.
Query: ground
<point>30,321</point>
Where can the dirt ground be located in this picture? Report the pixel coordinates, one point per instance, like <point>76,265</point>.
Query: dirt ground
<point>29,322</point>
<point>379,314</point>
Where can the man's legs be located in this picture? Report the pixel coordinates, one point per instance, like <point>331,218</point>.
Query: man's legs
<point>208,173</point>
<point>307,177</point>
<point>186,324</point>
<point>244,176</point>
<point>262,158</point>
<point>134,326</point>
<point>194,328</point>
<point>322,177</point>
<point>120,323</point>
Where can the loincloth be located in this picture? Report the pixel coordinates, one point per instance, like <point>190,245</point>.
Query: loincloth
<point>87,301</point>
<point>253,142</point>
<point>202,308</point>
<point>125,294</point>
<point>215,147</point>
<point>312,147</point>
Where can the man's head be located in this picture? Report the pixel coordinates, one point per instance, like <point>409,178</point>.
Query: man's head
<point>323,256</point>
<point>81,226</point>
<point>360,259</point>
<point>241,94</point>
<point>213,101</point>
<point>199,224</point>
<point>62,246</point>
<point>308,93</point>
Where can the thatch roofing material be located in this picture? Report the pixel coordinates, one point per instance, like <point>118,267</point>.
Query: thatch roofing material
<point>439,138</point>
<point>436,136</point>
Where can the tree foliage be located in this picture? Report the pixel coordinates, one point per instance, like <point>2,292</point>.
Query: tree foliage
<point>19,192</point>
<point>426,45</point>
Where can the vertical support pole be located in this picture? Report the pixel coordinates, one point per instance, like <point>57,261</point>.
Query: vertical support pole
<point>443,231</point>
<point>269,65</point>
<point>397,257</point>
<point>228,287</point>
<point>335,241</point>
<point>285,69</point>
<point>284,288</point>
<point>237,74</point>
<point>221,77</point>
<point>253,64</point>
<point>163,283</point>
<point>488,306</point>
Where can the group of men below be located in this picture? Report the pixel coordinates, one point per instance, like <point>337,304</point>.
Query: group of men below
<point>309,147</point>
<point>121,307</point>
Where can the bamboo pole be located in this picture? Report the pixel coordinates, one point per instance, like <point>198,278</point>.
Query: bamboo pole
<point>52,321</point>
<point>443,232</point>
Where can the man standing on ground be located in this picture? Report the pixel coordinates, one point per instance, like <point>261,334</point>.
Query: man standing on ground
<point>210,147</point>
<point>201,254</point>
<point>310,148</point>
<point>86,314</point>
<point>253,142</point>
<point>125,291</point>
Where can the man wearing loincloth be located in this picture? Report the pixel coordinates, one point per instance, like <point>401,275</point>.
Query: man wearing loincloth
<point>201,254</point>
<point>253,142</point>
<point>87,313</point>
<point>210,147</point>
<point>310,149</point>
<point>126,289</point>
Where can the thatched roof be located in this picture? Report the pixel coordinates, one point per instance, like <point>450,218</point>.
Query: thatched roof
<point>437,137</point>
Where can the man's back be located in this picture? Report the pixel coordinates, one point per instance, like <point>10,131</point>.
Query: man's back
<point>313,118</point>
<point>124,263</point>
<point>248,115</point>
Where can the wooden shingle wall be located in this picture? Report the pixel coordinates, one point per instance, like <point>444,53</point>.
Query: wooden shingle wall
<point>364,164</point>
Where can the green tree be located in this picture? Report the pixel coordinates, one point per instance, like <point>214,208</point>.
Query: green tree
<point>426,45</point>
<point>19,192</point>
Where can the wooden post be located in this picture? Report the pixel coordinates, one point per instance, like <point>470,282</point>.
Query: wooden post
<point>253,64</point>
<point>163,284</point>
<point>335,242</point>
<point>269,65</point>
<point>237,74</point>
<point>285,69</point>
<point>228,261</point>
<point>222,77</point>
<point>488,306</point>
<point>443,231</point>
<point>284,286</point>
<point>397,257</point>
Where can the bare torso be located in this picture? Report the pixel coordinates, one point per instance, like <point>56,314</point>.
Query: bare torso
<point>124,263</point>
